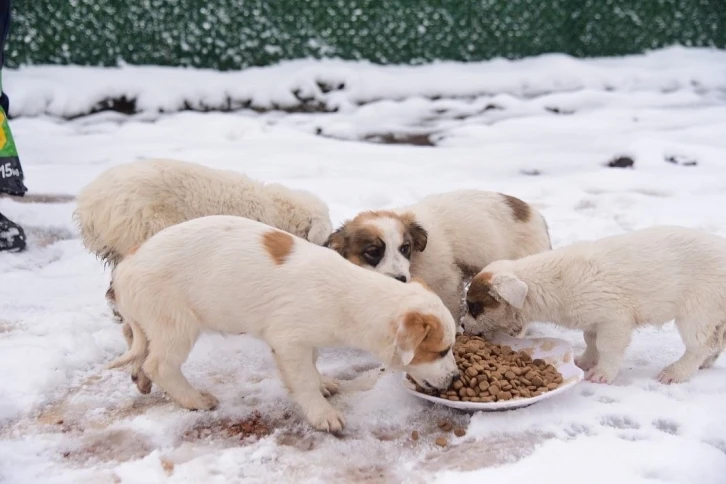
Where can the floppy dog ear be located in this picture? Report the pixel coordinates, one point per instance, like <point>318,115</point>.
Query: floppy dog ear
<point>419,235</point>
<point>336,241</point>
<point>510,288</point>
<point>412,330</point>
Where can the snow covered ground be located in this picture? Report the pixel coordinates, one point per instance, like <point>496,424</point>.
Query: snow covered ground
<point>541,129</point>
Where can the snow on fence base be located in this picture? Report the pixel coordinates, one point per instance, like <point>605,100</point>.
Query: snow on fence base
<point>342,86</point>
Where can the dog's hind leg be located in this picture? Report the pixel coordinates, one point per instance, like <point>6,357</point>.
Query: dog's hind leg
<point>719,342</point>
<point>138,376</point>
<point>170,342</point>
<point>701,345</point>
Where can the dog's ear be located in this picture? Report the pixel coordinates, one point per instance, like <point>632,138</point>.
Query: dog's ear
<point>510,288</point>
<point>336,241</point>
<point>419,235</point>
<point>412,330</point>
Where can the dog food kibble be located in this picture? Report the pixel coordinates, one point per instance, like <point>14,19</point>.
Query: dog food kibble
<point>414,435</point>
<point>441,441</point>
<point>459,432</point>
<point>445,426</point>
<point>494,373</point>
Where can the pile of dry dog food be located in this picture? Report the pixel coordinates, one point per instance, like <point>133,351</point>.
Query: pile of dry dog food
<point>495,373</point>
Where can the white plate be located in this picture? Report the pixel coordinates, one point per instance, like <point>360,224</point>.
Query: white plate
<point>554,351</point>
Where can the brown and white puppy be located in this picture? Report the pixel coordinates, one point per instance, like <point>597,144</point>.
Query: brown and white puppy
<point>608,288</point>
<point>242,276</point>
<point>444,239</point>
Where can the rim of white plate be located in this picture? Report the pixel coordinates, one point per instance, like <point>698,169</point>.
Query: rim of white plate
<point>552,350</point>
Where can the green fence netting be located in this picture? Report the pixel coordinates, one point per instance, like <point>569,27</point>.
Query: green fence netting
<point>231,34</point>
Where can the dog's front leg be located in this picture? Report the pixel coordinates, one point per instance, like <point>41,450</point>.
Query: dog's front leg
<point>590,356</point>
<point>611,341</point>
<point>304,381</point>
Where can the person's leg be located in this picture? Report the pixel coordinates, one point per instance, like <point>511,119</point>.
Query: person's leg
<point>4,29</point>
<point>12,236</point>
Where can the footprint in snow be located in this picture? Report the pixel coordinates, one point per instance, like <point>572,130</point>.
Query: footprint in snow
<point>619,422</point>
<point>667,426</point>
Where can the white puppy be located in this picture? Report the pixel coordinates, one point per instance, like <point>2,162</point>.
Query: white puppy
<point>443,239</point>
<point>129,203</point>
<point>609,287</point>
<point>235,275</point>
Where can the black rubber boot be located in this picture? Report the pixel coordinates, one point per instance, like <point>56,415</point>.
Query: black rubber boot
<point>12,236</point>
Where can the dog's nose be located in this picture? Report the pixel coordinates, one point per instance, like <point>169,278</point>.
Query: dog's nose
<point>401,278</point>
<point>456,376</point>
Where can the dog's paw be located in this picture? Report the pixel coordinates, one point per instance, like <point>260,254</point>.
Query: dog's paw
<point>586,361</point>
<point>143,383</point>
<point>598,374</point>
<point>326,419</point>
<point>673,374</point>
<point>328,386</point>
<point>204,401</point>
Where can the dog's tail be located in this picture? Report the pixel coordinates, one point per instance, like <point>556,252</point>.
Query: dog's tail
<point>138,351</point>
<point>136,354</point>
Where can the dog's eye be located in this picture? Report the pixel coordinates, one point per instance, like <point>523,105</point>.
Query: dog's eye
<point>474,308</point>
<point>405,249</point>
<point>374,253</point>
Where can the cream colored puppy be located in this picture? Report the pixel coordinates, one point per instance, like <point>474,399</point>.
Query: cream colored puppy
<point>235,275</point>
<point>128,203</point>
<point>444,239</point>
<point>608,288</point>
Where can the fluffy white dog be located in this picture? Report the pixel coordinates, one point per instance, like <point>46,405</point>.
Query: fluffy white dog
<point>240,276</point>
<point>609,287</point>
<point>128,203</point>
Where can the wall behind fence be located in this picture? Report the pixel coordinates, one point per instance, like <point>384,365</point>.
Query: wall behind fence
<point>231,34</point>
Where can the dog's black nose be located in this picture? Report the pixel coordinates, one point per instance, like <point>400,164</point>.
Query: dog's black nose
<point>455,377</point>
<point>400,278</point>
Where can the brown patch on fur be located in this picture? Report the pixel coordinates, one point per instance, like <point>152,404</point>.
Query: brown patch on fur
<point>278,244</point>
<point>521,210</point>
<point>425,335</point>
<point>133,250</point>
<point>356,236</point>
<point>479,296</point>
<point>419,235</point>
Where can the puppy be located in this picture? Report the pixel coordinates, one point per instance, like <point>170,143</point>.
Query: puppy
<point>443,239</point>
<point>239,275</point>
<point>129,203</point>
<point>608,288</point>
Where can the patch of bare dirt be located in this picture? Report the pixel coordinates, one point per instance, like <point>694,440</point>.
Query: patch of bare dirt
<point>109,445</point>
<point>229,429</point>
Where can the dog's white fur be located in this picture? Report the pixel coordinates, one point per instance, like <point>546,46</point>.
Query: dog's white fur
<point>128,203</point>
<point>218,273</point>
<point>464,231</point>
<point>611,286</point>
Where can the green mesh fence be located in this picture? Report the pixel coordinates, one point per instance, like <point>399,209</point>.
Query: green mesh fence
<point>231,34</point>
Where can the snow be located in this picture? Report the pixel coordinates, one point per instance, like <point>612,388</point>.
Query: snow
<point>64,418</point>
